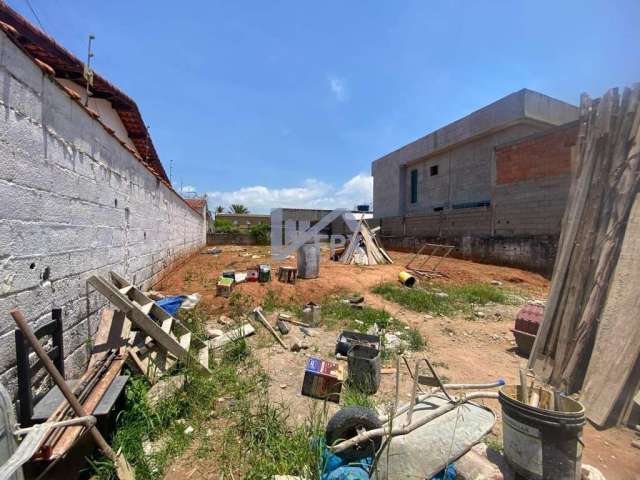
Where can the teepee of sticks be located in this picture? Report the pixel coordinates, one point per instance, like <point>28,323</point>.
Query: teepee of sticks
<point>364,248</point>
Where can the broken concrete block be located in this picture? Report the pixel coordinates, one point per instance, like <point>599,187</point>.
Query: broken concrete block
<point>164,389</point>
<point>282,327</point>
<point>211,331</point>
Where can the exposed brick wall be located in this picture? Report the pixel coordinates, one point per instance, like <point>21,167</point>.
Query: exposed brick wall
<point>544,155</point>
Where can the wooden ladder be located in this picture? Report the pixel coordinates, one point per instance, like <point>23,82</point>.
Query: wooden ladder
<point>162,340</point>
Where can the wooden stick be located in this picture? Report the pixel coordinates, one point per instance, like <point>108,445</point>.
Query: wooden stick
<point>524,387</point>
<point>260,317</point>
<point>535,397</point>
<point>123,469</point>
<point>294,322</point>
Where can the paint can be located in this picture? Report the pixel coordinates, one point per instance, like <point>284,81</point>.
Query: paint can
<point>407,279</point>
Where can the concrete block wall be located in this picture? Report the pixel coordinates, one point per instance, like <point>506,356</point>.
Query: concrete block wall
<point>528,109</point>
<point>73,203</point>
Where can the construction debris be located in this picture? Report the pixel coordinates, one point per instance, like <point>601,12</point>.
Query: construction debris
<point>282,327</point>
<point>257,312</point>
<point>429,266</point>
<point>311,314</point>
<point>289,319</point>
<point>232,335</point>
<point>364,248</point>
<point>323,379</point>
<point>587,341</point>
<point>161,340</point>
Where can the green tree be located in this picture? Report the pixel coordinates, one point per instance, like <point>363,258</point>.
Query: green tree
<point>219,209</point>
<point>224,226</point>
<point>261,233</point>
<point>238,208</point>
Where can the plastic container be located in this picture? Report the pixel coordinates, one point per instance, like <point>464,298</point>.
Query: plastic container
<point>407,279</point>
<point>364,368</point>
<point>347,339</point>
<point>308,257</point>
<point>542,444</point>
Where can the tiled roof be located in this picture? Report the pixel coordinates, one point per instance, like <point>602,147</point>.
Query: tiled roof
<point>50,55</point>
<point>196,203</point>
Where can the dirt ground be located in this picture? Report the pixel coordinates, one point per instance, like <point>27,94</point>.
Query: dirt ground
<point>479,350</point>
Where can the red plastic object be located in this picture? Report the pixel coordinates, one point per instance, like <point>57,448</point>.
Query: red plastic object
<point>529,318</point>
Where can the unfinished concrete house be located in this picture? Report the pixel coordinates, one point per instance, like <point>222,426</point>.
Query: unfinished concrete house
<point>493,183</point>
<point>82,191</point>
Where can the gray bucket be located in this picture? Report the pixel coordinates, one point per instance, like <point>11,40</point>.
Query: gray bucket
<point>364,368</point>
<point>542,444</point>
<point>308,260</point>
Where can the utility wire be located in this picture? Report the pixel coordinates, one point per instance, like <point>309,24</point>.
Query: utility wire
<point>33,10</point>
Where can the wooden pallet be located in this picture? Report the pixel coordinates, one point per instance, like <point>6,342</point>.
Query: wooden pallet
<point>161,340</point>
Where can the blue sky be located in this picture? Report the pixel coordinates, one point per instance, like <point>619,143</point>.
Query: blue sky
<point>287,103</point>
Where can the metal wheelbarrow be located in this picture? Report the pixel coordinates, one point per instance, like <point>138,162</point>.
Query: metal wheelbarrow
<point>418,439</point>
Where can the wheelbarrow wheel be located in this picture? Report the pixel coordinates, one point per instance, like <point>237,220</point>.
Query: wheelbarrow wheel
<point>346,423</point>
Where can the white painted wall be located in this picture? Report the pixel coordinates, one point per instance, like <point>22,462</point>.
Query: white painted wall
<point>108,115</point>
<point>73,202</point>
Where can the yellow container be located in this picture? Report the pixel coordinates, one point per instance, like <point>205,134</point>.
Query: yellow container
<point>407,279</point>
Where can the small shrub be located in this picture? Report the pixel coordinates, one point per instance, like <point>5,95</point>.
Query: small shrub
<point>224,226</point>
<point>261,233</point>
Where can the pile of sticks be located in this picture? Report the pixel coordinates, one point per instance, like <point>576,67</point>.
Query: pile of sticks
<point>364,248</point>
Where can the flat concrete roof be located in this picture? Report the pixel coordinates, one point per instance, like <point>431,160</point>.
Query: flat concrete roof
<point>524,105</point>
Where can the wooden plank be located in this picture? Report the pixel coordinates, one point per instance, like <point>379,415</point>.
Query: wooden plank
<point>260,317</point>
<point>617,344</point>
<point>138,317</point>
<point>69,435</point>
<point>243,331</point>
<point>113,333</point>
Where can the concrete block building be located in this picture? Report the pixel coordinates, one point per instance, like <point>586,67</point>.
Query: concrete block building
<point>479,178</point>
<point>82,192</point>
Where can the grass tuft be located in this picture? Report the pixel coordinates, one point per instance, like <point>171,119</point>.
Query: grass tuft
<point>443,299</point>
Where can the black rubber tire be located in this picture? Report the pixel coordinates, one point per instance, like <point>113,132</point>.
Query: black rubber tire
<point>345,424</point>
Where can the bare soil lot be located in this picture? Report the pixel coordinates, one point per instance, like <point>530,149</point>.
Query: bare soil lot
<point>465,348</point>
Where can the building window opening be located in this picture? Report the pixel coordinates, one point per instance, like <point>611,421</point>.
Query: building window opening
<point>414,186</point>
<point>433,170</point>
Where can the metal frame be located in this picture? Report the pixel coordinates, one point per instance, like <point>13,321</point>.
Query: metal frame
<point>433,272</point>
<point>389,430</point>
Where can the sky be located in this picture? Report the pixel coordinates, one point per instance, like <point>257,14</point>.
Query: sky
<point>287,103</point>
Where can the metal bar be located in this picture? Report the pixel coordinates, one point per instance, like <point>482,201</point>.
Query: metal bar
<point>86,421</point>
<point>413,393</point>
<point>408,428</point>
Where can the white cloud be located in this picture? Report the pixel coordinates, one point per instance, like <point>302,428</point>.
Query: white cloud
<point>311,194</point>
<point>188,189</point>
<point>338,88</point>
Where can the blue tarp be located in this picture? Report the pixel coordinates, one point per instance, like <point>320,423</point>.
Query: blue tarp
<point>171,304</point>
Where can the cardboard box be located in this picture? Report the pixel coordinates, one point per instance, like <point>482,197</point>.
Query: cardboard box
<point>323,379</point>
<point>224,286</point>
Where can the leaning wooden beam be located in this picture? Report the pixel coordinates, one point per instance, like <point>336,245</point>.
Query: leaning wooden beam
<point>578,345</point>
<point>260,317</point>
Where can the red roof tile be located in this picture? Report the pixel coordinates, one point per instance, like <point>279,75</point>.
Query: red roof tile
<point>48,53</point>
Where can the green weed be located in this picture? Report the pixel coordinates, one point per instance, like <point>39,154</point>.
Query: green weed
<point>442,299</point>
<point>351,395</point>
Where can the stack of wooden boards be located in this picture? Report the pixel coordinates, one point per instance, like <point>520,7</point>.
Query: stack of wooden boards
<point>157,341</point>
<point>364,248</point>
<point>589,339</point>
